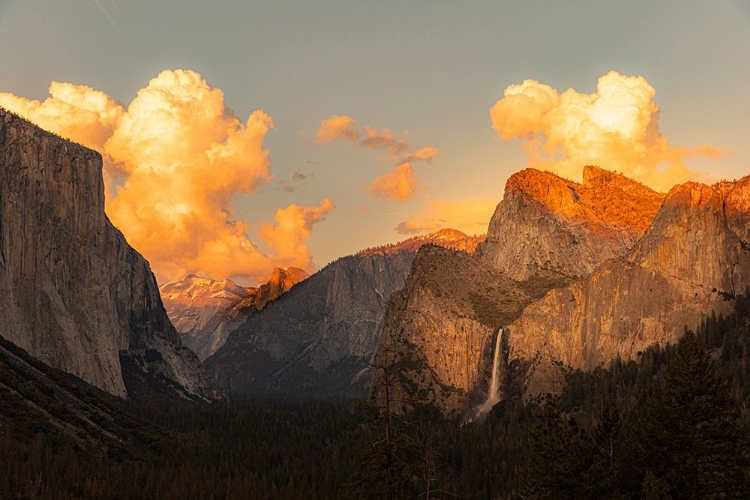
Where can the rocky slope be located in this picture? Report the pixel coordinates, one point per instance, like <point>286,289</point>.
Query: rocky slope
<point>547,222</point>
<point>440,330</point>
<point>76,295</point>
<point>206,311</point>
<point>318,338</point>
<point>693,260</point>
<point>36,399</point>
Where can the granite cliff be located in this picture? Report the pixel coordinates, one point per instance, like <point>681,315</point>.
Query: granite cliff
<point>694,259</point>
<point>318,338</point>
<point>206,311</point>
<point>440,330</point>
<point>549,223</point>
<point>75,294</point>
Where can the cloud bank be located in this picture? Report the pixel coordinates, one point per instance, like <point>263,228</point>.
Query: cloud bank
<point>400,184</point>
<point>616,127</point>
<point>174,160</point>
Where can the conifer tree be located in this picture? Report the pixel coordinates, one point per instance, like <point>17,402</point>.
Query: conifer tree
<point>684,432</point>
<point>560,455</point>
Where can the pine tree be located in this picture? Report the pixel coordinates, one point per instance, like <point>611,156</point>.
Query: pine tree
<point>560,455</point>
<point>602,476</point>
<point>684,432</point>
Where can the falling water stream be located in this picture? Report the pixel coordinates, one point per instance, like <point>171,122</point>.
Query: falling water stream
<point>493,394</point>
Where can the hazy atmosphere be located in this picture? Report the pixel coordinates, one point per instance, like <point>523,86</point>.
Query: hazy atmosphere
<point>241,136</point>
<point>374,250</point>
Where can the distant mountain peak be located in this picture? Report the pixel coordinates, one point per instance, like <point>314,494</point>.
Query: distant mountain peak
<point>205,310</point>
<point>448,238</point>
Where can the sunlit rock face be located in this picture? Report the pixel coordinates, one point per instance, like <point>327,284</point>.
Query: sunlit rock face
<point>693,260</point>
<point>318,338</point>
<point>75,294</point>
<point>437,338</point>
<point>206,311</point>
<point>440,330</point>
<point>546,222</point>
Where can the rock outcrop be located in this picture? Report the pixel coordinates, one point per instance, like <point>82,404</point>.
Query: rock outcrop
<point>693,260</point>
<point>318,338</point>
<point>281,281</point>
<point>546,222</point>
<point>206,311</point>
<point>438,335</point>
<point>440,330</point>
<point>75,295</point>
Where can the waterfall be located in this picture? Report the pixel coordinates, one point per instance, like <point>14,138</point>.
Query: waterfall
<point>493,394</point>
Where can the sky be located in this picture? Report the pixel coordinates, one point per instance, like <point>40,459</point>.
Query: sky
<point>238,136</point>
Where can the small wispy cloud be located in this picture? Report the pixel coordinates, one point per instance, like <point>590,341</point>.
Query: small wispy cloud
<point>400,183</point>
<point>292,183</point>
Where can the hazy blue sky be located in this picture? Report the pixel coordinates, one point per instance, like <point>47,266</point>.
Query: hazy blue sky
<point>433,68</point>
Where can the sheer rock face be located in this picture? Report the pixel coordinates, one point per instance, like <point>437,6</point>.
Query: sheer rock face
<point>318,338</point>
<point>75,294</point>
<point>694,258</point>
<point>549,223</point>
<point>440,329</point>
<point>438,336</point>
<point>206,311</point>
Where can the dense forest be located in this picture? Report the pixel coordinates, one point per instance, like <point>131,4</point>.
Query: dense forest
<point>672,425</point>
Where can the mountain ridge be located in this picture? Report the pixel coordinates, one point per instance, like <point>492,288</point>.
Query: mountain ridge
<point>205,311</point>
<point>691,263</point>
<point>319,338</point>
<point>546,233</point>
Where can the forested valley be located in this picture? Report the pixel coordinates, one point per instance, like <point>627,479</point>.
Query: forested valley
<point>673,425</point>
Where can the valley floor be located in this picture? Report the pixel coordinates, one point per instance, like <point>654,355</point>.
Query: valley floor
<point>672,424</point>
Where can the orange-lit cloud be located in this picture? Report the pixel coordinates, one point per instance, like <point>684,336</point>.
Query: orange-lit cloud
<point>293,226</point>
<point>337,127</point>
<point>176,157</point>
<point>424,154</point>
<point>400,183</point>
<point>383,140</point>
<point>470,215</point>
<point>76,112</point>
<point>616,127</point>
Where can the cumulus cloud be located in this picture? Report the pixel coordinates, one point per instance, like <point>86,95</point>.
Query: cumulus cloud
<point>293,226</point>
<point>400,183</point>
<point>179,156</point>
<point>76,112</point>
<point>470,215</point>
<point>616,127</point>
